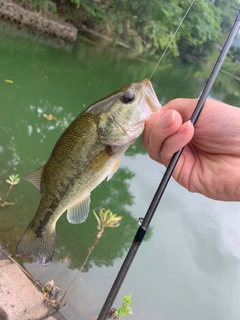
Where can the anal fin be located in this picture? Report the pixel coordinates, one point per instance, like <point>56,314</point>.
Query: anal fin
<point>79,212</point>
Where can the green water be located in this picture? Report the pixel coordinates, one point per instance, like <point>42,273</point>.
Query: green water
<point>188,267</point>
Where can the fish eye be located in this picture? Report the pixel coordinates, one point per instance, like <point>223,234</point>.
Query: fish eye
<point>127,97</point>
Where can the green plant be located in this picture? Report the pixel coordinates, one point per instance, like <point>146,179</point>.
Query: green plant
<point>77,3</point>
<point>125,309</point>
<point>42,6</point>
<point>12,180</point>
<point>105,219</point>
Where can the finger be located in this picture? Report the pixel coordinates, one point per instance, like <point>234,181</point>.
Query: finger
<point>184,106</point>
<point>158,128</point>
<point>172,144</point>
<point>150,123</point>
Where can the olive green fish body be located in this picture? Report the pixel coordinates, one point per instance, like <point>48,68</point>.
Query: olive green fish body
<point>87,152</point>
<point>78,163</point>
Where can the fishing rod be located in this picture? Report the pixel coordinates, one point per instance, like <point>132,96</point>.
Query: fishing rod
<point>166,177</point>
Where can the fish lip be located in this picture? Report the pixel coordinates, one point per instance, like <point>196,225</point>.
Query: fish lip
<point>149,101</point>
<point>150,96</point>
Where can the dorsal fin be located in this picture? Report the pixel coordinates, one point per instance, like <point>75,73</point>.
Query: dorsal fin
<point>79,212</point>
<point>34,177</point>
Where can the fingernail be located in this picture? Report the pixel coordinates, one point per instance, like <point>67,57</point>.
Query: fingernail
<point>184,127</point>
<point>167,119</point>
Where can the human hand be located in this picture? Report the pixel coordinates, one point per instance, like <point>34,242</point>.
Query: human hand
<point>210,162</point>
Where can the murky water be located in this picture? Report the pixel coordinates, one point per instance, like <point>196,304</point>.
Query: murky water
<point>188,267</point>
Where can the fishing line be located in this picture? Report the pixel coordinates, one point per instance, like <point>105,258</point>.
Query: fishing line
<point>170,42</point>
<point>165,179</point>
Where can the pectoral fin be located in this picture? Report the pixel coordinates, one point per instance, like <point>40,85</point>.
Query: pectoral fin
<point>113,169</point>
<point>34,177</point>
<point>79,212</point>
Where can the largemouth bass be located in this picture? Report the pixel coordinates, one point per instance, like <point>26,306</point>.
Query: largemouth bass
<point>88,151</point>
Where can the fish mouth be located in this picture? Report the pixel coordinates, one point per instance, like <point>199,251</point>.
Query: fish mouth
<point>150,96</point>
<point>150,103</point>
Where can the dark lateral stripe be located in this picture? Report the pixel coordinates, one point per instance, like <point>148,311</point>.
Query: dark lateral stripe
<point>43,223</point>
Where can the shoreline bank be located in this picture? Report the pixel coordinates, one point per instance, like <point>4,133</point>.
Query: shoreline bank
<point>16,14</point>
<point>19,297</point>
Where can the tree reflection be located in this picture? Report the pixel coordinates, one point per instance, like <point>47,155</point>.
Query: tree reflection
<point>214,261</point>
<point>73,241</point>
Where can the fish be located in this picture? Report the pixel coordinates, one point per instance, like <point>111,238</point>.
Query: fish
<point>87,152</point>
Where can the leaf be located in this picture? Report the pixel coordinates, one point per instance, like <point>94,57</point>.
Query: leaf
<point>125,309</point>
<point>13,179</point>
<point>8,81</point>
<point>49,117</point>
<point>98,220</point>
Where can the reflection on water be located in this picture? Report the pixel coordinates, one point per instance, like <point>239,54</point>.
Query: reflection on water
<point>112,245</point>
<point>189,266</point>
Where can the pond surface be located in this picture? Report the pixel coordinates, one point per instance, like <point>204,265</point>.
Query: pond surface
<point>189,265</point>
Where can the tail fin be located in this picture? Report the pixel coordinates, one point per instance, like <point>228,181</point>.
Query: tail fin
<point>39,247</point>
